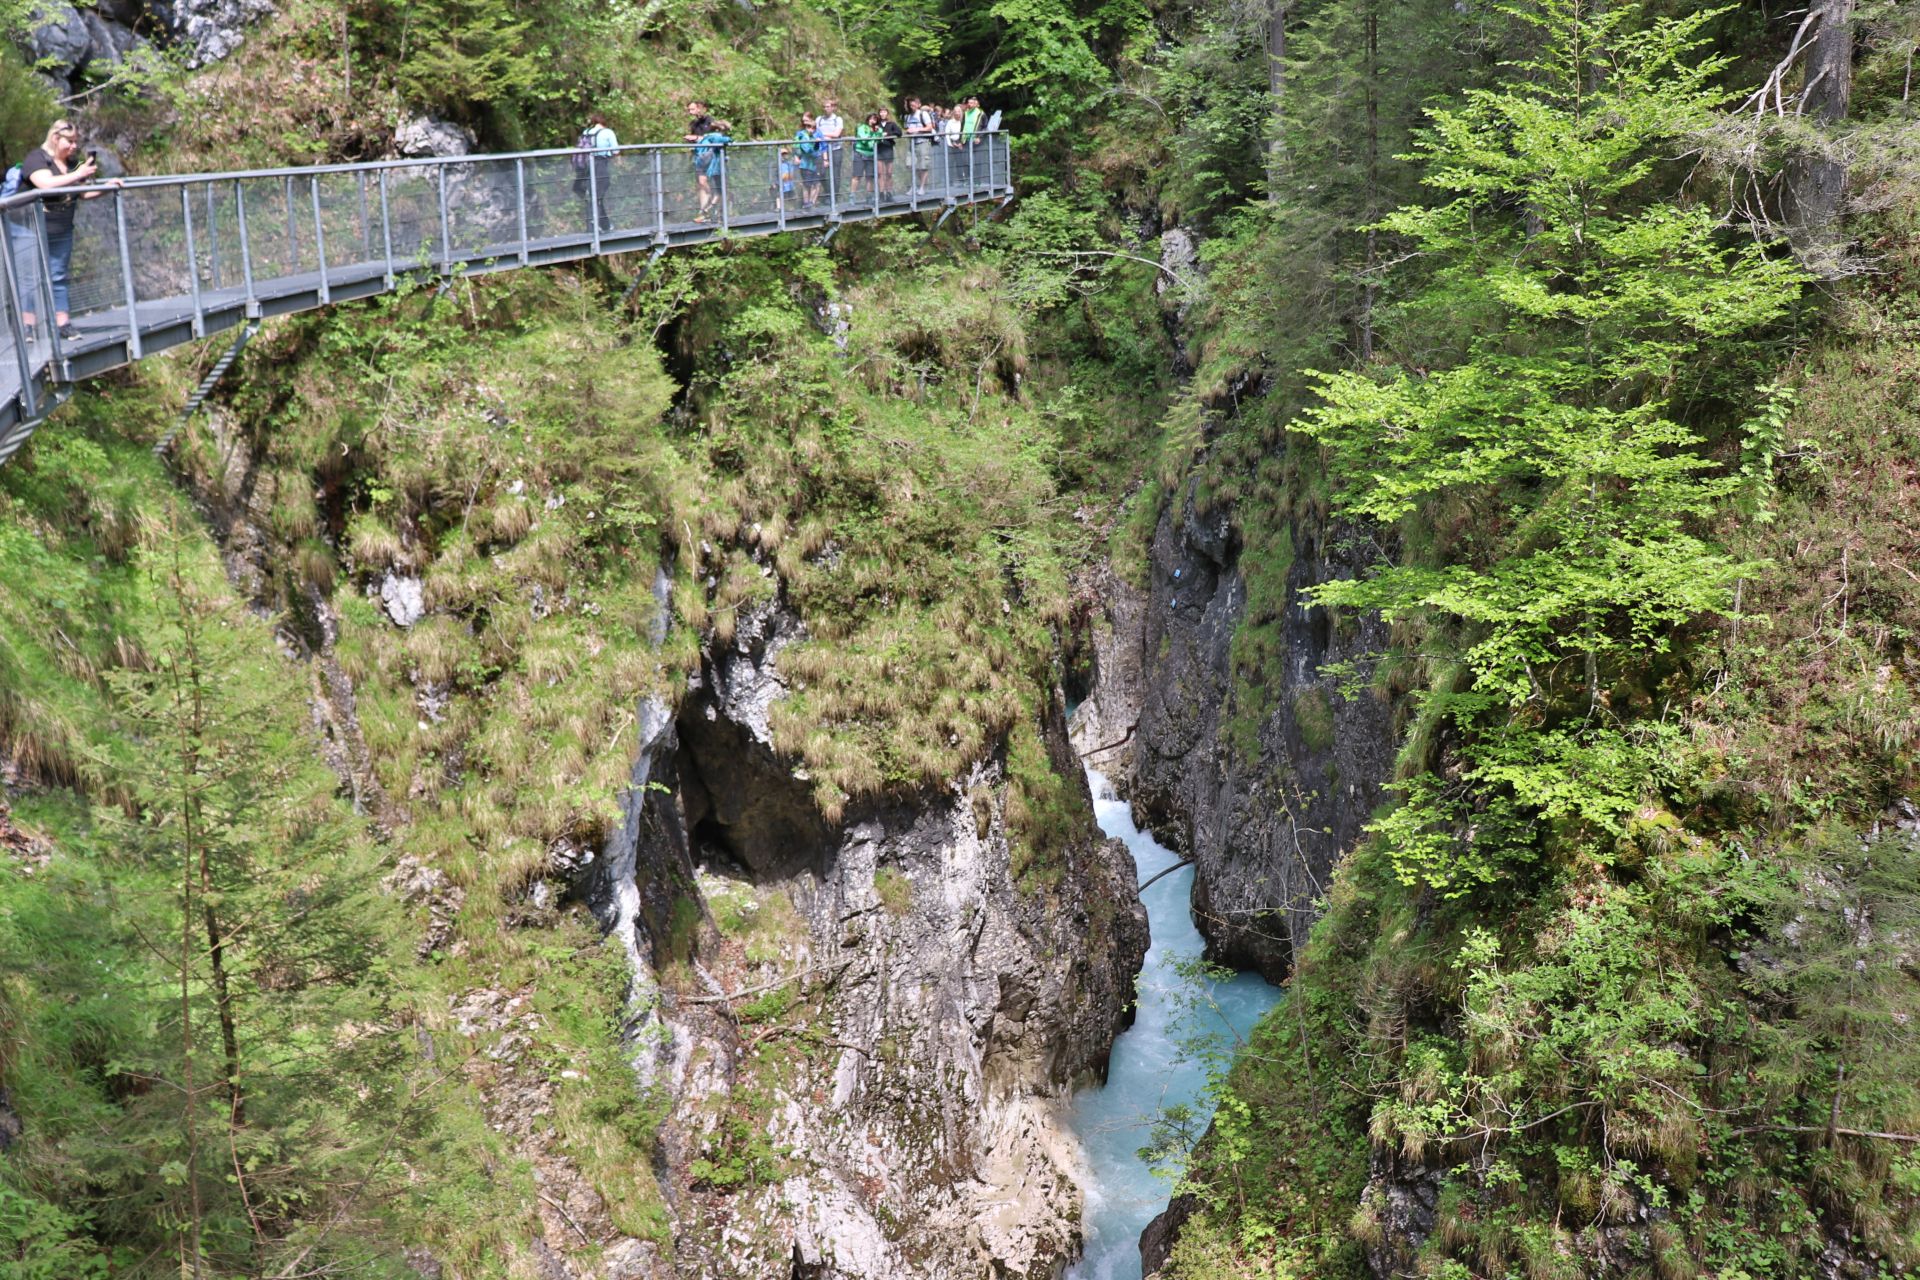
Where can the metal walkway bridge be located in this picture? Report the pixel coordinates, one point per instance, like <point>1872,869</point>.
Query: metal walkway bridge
<point>163,261</point>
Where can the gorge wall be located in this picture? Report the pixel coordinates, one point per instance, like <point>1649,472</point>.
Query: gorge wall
<point>1263,826</point>
<point>935,1009</point>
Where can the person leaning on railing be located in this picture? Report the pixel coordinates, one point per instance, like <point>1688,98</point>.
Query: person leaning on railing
<point>46,169</point>
<point>709,162</point>
<point>920,127</point>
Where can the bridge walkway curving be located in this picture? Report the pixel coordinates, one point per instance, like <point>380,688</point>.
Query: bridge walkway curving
<point>162,261</point>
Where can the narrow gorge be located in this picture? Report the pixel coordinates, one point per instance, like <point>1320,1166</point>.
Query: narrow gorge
<point>1320,687</point>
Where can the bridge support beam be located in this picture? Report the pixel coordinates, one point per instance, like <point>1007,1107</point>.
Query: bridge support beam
<point>640,275</point>
<point>207,384</point>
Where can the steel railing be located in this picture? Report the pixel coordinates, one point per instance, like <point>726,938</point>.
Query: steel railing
<point>159,261</point>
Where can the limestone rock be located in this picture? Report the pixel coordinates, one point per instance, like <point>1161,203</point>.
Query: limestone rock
<point>1157,1241</point>
<point>426,136</point>
<point>1264,831</point>
<point>209,30</point>
<point>59,35</point>
<point>941,1012</point>
<point>403,598</point>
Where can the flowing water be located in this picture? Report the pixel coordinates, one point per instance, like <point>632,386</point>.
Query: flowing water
<point>1152,1067</point>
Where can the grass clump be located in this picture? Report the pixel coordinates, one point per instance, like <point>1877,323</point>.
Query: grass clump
<point>894,889</point>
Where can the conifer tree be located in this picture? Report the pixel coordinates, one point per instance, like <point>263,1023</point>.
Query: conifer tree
<point>280,1071</point>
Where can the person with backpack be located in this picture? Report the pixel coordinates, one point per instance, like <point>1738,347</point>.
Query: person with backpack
<point>699,123</point>
<point>920,131</point>
<point>883,152</point>
<point>865,137</point>
<point>49,167</point>
<point>594,155</point>
<point>709,160</point>
<point>806,159</point>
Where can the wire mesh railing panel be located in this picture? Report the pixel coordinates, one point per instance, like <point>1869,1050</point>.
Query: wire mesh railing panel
<point>413,217</point>
<point>684,186</point>
<point>556,197</point>
<point>26,326</point>
<point>216,237</point>
<point>628,196</point>
<point>79,255</point>
<point>155,221</point>
<point>747,176</point>
<point>483,210</point>
<point>346,213</point>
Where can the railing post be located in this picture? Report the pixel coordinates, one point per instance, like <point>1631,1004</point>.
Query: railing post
<point>22,349</point>
<point>593,198</point>
<point>193,265</point>
<point>446,227</point>
<point>246,249</point>
<point>386,228</point>
<point>720,154</point>
<point>659,199</point>
<point>990,186</point>
<point>833,193</point>
<point>971,148</point>
<point>780,187</point>
<point>126,274</point>
<point>873,179</point>
<point>520,203</point>
<point>320,239</point>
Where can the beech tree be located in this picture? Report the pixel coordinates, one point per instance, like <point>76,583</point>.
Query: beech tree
<point>1586,287</point>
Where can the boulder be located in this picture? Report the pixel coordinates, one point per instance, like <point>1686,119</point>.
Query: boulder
<point>426,136</point>
<point>59,36</point>
<point>403,598</point>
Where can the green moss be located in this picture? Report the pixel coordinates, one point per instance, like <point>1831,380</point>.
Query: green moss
<point>1313,717</point>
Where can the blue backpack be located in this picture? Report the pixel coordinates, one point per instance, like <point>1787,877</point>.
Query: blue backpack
<point>11,187</point>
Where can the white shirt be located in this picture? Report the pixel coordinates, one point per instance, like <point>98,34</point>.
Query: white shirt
<point>601,139</point>
<point>830,126</point>
<point>952,129</point>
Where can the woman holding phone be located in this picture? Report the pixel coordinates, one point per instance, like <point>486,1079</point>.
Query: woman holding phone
<point>49,167</point>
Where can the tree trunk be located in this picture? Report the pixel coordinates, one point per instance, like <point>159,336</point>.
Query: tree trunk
<point>1368,285</point>
<point>1276,86</point>
<point>1817,181</point>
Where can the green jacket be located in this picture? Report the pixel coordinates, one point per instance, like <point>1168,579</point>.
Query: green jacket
<point>864,138</point>
<point>970,124</point>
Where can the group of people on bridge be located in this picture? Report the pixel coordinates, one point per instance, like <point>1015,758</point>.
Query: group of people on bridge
<point>822,154</point>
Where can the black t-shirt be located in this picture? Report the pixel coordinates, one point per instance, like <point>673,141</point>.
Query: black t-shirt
<point>59,208</point>
<point>889,132</point>
<point>701,127</point>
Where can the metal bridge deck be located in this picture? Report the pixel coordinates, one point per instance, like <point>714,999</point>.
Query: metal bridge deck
<point>163,261</point>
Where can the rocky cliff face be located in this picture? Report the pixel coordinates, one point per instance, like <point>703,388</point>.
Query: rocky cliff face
<point>1265,828</point>
<point>91,41</point>
<point>865,1028</point>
